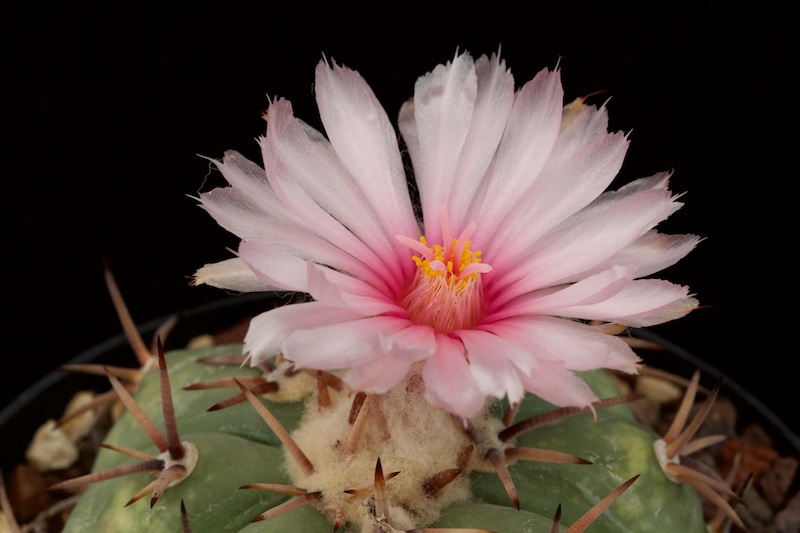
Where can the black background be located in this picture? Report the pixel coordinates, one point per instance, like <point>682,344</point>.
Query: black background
<point>109,106</point>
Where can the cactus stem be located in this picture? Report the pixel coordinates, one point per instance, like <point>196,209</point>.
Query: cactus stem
<point>438,481</point>
<point>591,515</point>
<point>544,456</point>
<point>495,457</point>
<point>280,432</point>
<point>289,490</point>
<point>528,424</point>
<point>289,505</point>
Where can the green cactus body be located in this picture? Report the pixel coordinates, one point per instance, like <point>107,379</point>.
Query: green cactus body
<point>236,447</point>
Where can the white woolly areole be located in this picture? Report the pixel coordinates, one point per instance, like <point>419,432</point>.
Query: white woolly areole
<point>293,385</point>
<point>425,441</point>
<point>660,448</point>
<point>188,461</point>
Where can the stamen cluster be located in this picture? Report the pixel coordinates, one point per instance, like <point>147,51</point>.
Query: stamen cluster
<point>446,292</point>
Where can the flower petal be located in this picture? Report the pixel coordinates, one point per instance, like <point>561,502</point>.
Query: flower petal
<point>378,375</point>
<point>268,330</point>
<point>272,265</point>
<point>493,103</point>
<point>554,384</point>
<point>340,290</point>
<point>575,246</point>
<point>340,345</point>
<point>411,344</point>
<point>448,381</point>
<point>611,297</point>
<point>593,289</point>
<point>490,365</point>
<point>444,100</point>
<point>308,177</point>
<point>651,253</point>
<point>253,212</point>
<point>528,139</point>
<point>574,345</point>
<point>232,274</point>
<point>365,141</point>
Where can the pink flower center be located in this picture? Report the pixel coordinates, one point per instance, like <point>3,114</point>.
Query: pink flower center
<point>446,292</point>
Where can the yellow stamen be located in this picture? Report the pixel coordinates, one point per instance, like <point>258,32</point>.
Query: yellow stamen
<point>446,292</point>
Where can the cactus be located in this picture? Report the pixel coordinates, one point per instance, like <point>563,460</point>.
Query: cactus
<point>420,389</point>
<point>237,449</point>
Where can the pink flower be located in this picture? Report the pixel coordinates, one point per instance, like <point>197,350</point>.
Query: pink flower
<point>522,248</point>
